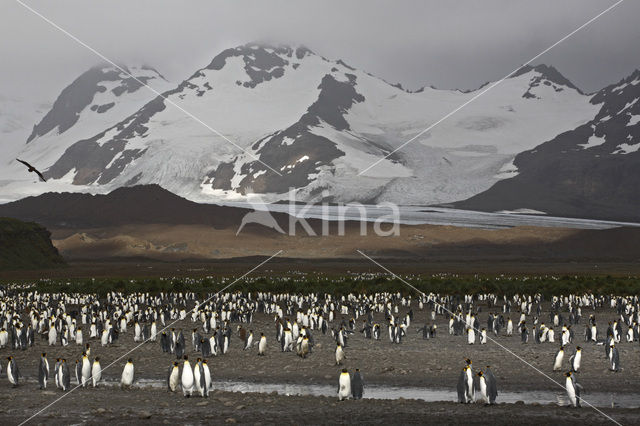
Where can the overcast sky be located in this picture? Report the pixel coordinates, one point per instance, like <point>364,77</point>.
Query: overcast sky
<point>448,44</point>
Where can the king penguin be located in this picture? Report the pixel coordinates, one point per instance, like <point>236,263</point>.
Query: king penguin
<point>575,359</point>
<point>468,384</point>
<point>482,387</point>
<point>13,374</point>
<point>304,347</point>
<point>262,345</point>
<point>357,385</point>
<point>573,389</point>
<point>249,341</point>
<point>557,365</point>
<point>85,370</point>
<point>187,378</point>
<point>492,385</point>
<point>78,371</point>
<point>471,336</point>
<point>198,377</point>
<point>207,376</point>
<point>339,354</point>
<point>128,375</point>
<point>65,375</point>
<point>43,371</point>
<point>96,372</point>
<point>173,377</point>
<point>56,373</point>
<point>614,358</point>
<point>344,385</point>
<point>461,388</point>
<point>203,386</point>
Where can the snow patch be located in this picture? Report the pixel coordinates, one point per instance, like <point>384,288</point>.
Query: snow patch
<point>625,148</point>
<point>593,141</point>
<point>287,141</point>
<point>507,171</point>
<point>629,104</point>
<point>635,119</point>
<point>291,166</point>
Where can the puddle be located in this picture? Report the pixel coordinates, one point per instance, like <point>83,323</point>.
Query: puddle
<point>598,399</point>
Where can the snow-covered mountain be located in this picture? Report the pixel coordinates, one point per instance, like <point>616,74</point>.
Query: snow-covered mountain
<point>99,98</point>
<point>319,123</point>
<point>591,170</point>
<point>16,120</point>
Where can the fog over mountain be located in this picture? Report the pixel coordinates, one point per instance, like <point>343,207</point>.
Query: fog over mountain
<point>458,44</point>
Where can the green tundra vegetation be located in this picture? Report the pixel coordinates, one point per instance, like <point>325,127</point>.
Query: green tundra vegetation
<point>354,283</point>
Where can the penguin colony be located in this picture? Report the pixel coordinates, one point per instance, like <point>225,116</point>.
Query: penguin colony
<point>93,324</point>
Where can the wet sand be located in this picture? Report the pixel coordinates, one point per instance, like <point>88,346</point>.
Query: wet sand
<point>145,406</point>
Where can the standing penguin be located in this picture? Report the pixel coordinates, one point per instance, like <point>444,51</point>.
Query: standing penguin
<point>173,377</point>
<point>53,336</point>
<point>357,385</point>
<point>179,348</point>
<point>573,389</point>
<point>249,340</point>
<point>96,371</point>
<point>304,347</point>
<point>13,374</point>
<point>461,388</point>
<point>78,371</point>
<point>262,345</point>
<point>165,344</point>
<point>557,365</point>
<point>85,370</point>
<point>198,378</point>
<point>615,359</point>
<point>339,354</point>
<point>202,387</point>
<point>482,387</point>
<point>187,378</point>
<point>575,359</point>
<point>128,374</point>
<point>492,385</point>
<point>65,375</point>
<point>471,336</point>
<point>207,376</point>
<point>43,371</point>
<point>468,381</point>
<point>57,374</point>
<point>344,385</point>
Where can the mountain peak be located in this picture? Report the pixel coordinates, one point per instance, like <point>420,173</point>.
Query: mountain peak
<point>262,61</point>
<point>84,90</point>
<point>549,73</point>
<point>261,55</point>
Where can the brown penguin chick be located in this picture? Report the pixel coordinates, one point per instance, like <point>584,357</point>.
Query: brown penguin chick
<point>242,333</point>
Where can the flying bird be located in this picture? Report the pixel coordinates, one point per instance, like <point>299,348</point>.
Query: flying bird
<point>32,169</point>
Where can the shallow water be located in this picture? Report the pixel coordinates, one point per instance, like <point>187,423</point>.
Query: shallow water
<point>598,399</point>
